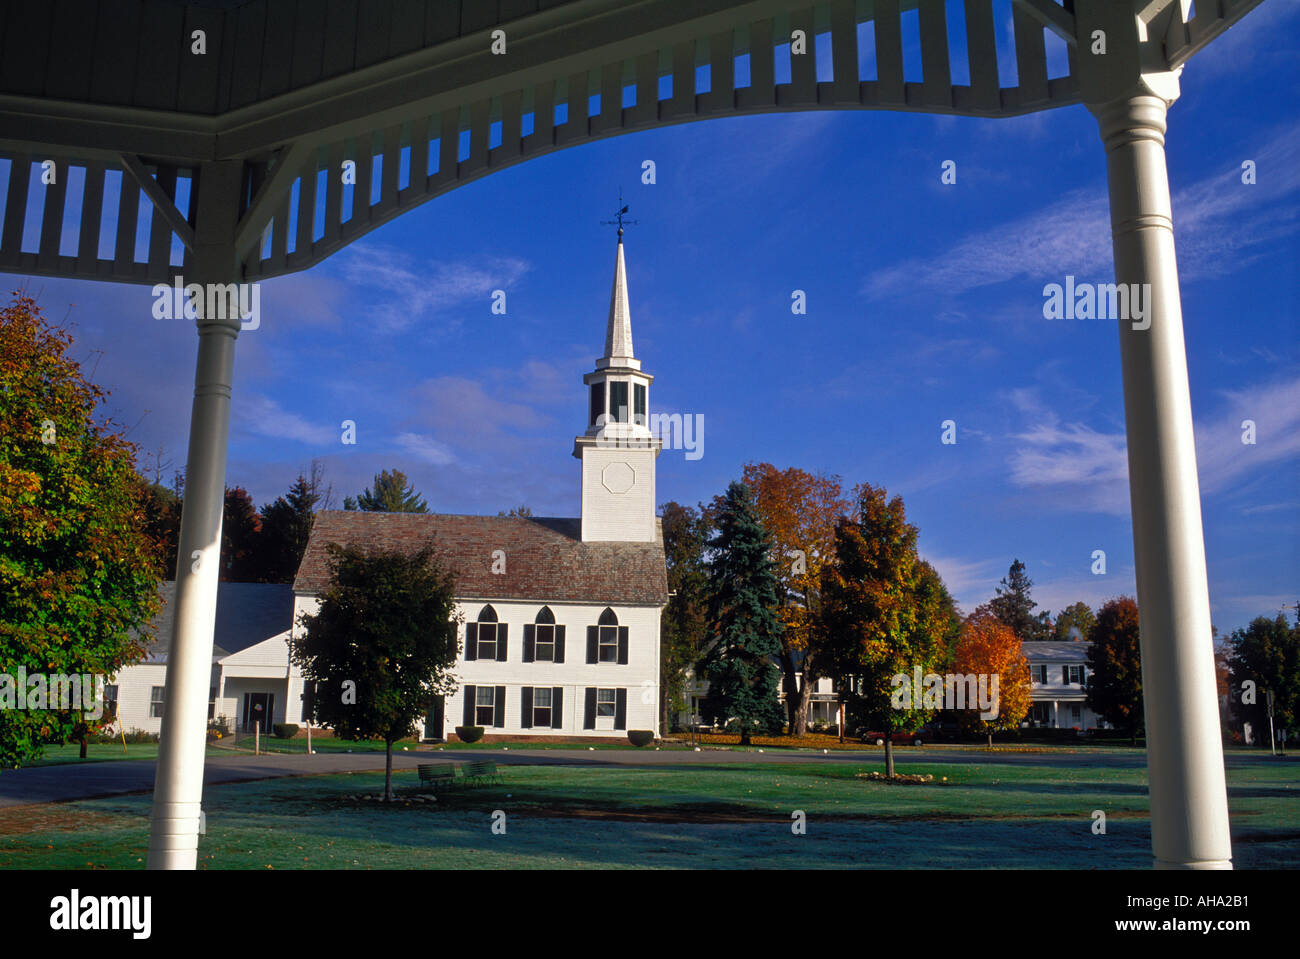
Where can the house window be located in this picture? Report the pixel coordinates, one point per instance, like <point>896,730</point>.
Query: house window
<point>542,706</point>
<point>212,703</point>
<point>618,402</point>
<point>605,699</point>
<point>1072,675</point>
<point>597,403</point>
<point>156,701</point>
<point>1075,712</point>
<point>484,705</point>
<point>638,404</point>
<point>110,701</point>
<point>1040,712</point>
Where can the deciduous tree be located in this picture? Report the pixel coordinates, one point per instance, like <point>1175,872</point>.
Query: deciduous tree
<point>882,620</point>
<point>799,509</point>
<point>1074,623</point>
<point>685,618</point>
<point>381,646</point>
<point>78,569</point>
<point>988,647</point>
<point>1267,653</point>
<point>1114,688</point>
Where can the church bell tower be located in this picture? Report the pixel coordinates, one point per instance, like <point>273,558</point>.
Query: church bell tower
<point>618,451</point>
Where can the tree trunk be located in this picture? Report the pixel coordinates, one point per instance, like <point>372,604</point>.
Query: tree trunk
<point>795,694</point>
<point>388,772</point>
<point>83,747</point>
<point>889,755</point>
<point>842,719</point>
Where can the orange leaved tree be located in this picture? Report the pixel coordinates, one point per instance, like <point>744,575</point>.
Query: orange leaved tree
<point>987,647</point>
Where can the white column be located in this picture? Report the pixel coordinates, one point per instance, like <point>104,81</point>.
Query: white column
<point>178,787</point>
<point>1189,810</point>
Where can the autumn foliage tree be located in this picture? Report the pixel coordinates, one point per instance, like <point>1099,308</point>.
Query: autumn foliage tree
<point>883,615</point>
<point>78,571</point>
<point>799,511</point>
<point>987,646</point>
<point>1114,688</point>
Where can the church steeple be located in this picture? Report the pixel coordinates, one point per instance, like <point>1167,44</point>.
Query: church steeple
<point>617,450</point>
<point>618,334</point>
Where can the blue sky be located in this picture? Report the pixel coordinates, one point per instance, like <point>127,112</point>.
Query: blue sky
<point>924,304</point>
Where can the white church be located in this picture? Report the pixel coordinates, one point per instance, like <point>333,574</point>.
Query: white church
<point>560,632</point>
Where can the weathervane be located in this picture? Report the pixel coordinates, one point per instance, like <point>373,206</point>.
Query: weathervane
<point>619,216</point>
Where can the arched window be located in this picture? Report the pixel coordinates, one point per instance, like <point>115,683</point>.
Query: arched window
<point>543,639</point>
<point>607,640</point>
<point>486,639</point>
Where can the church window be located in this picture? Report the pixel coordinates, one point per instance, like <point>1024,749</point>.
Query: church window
<point>542,706</point>
<point>638,407</point>
<point>597,402</point>
<point>608,650</point>
<point>618,402</point>
<point>544,637</point>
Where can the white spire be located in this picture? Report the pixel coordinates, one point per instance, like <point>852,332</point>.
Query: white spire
<point>618,335</point>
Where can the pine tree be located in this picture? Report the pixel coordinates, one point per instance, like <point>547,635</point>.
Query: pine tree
<point>743,623</point>
<point>685,618</point>
<point>1013,606</point>
<point>286,527</point>
<point>391,494</point>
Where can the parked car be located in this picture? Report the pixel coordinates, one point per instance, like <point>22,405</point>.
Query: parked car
<point>898,739</point>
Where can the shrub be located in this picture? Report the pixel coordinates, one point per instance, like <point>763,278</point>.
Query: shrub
<point>640,737</point>
<point>469,734</point>
<point>220,725</point>
<point>285,730</point>
<point>833,729</point>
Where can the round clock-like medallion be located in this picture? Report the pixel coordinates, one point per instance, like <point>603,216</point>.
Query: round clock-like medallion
<point>618,477</point>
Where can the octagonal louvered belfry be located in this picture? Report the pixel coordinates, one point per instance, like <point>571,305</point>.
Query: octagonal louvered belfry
<point>234,155</point>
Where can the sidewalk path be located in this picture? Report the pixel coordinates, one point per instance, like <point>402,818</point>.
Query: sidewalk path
<point>59,783</point>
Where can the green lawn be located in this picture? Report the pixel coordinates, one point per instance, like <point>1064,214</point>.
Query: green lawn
<point>102,752</point>
<point>986,816</point>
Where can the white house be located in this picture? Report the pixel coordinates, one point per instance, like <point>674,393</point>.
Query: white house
<point>560,632</point>
<point>250,661</point>
<point>1058,673</point>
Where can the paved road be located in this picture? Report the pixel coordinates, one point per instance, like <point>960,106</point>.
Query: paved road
<point>87,780</point>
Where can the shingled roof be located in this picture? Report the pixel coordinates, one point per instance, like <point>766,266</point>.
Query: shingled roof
<point>546,559</point>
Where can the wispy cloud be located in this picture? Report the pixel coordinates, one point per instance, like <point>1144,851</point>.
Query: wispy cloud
<point>401,290</point>
<point>1220,225</point>
<point>266,417</point>
<point>425,448</point>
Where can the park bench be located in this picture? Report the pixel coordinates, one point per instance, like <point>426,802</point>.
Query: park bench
<point>480,772</point>
<point>436,775</point>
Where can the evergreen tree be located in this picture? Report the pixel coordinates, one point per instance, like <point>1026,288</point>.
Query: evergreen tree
<point>286,527</point>
<point>1114,685</point>
<point>391,494</point>
<point>685,618</point>
<point>743,623</point>
<point>1013,606</point>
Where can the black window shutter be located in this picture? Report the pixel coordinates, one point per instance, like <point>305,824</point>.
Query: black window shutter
<point>501,642</point>
<point>620,709</point>
<point>589,719</point>
<point>530,636</point>
<point>471,641</point>
<point>499,714</point>
<point>526,700</point>
<point>593,642</point>
<point>557,700</point>
<point>559,644</point>
<point>1065,675</point>
<point>622,645</point>
<point>471,692</point>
